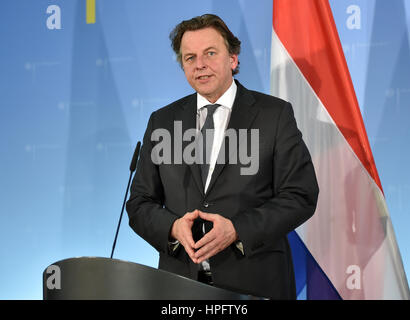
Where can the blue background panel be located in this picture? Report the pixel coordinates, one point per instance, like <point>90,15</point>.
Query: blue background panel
<point>75,100</point>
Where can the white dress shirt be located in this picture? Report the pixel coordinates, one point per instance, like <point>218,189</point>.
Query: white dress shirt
<point>221,119</point>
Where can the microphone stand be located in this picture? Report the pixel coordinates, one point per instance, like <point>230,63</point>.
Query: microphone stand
<point>133,166</point>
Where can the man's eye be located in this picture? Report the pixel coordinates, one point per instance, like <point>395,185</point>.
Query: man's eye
<point>190,58</point>
<point>211,53</point>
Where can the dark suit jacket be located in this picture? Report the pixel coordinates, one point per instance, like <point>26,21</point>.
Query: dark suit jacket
<point>263,207</point>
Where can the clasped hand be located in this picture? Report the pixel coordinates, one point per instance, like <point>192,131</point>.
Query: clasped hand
<point>217,239</point>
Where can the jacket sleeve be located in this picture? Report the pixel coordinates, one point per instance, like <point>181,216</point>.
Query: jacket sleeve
<point>145,207</point>
<point>295,191</point>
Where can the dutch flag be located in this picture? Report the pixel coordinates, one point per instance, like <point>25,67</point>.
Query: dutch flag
<point>347,250</point>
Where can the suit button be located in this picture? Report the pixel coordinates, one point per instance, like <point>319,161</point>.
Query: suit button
<point>206,204</point>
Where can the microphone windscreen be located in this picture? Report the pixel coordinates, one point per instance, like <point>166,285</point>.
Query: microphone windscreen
<point>133,164</point>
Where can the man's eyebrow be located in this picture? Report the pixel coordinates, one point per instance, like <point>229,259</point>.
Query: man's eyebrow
<point>210,48</point>
<point>193,54</point>
<point>188,54</point>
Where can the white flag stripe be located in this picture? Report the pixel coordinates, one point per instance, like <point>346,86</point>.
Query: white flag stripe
<point>338,236</point>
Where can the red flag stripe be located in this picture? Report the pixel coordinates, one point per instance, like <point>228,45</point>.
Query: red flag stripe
<point>324,66</point>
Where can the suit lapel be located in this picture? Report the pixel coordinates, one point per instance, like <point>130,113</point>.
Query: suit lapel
<point>187,114</point>
<point>243,113</point>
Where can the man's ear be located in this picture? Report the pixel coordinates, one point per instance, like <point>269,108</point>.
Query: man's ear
<point>234,61</point>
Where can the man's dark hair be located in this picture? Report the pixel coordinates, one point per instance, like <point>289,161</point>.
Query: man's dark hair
<point>205,21</point>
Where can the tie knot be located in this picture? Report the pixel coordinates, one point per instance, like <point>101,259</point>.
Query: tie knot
<point>211,109</point>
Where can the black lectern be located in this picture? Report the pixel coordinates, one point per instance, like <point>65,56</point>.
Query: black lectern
<point>103,278</point>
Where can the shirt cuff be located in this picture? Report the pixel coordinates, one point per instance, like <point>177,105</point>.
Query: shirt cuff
<point>173,245</point>
<point>239,245</point>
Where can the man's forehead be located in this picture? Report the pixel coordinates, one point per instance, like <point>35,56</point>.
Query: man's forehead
<point>201,39</point>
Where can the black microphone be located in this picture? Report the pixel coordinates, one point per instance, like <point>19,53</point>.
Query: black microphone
<point>133,166</point>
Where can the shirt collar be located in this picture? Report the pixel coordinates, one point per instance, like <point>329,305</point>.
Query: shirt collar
<point>226,100</point>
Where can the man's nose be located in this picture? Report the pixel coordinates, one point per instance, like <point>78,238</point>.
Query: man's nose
<point>200,63</point>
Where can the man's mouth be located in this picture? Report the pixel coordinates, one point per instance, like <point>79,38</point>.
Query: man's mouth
<point>203,77</point>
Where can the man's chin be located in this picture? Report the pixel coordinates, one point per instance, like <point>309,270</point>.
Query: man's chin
<point>206,91</point>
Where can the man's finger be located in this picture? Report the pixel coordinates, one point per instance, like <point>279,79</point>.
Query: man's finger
<point>207,216</point>
<point>207,253</point>
<point>190,251</point>
<point>210,246</point>
<point>208,237</point>
<point>192,215</point>
<point>188,244</point>
<point>188,239</point>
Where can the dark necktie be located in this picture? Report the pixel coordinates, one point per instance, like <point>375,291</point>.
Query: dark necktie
<point>207,140</point>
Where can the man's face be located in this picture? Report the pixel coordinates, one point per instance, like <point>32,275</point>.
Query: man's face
<point>207,63</point>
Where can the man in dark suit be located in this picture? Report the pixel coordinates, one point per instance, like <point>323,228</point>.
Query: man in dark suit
<point>214,221</point>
